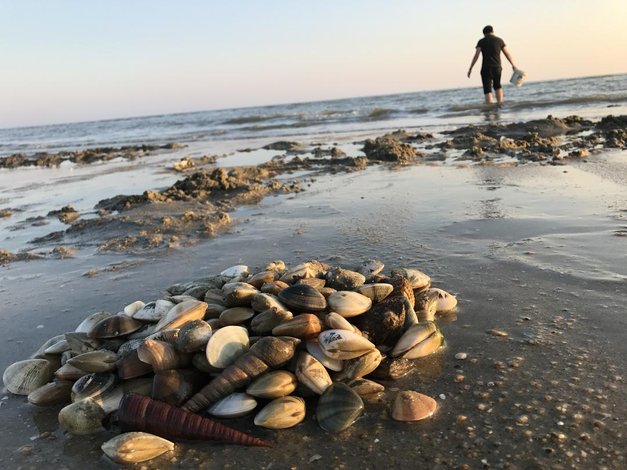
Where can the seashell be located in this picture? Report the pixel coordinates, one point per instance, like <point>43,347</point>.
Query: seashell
<point>81,343</point>
<point>114,326</point>
<point>214,310</point>
<point>82,417</point>
<point>226,345</point>
<point>269,352</point>
<point>303,298</point>
<point>313,348</point>
<point>238,294</point>
<point>53,393</point>
<point>236,315</point>
<point>417,279</point>
<point>68,372</point>
<point>360,366</point>
<point>95,361</point>
<point>154,311</point>
<point>343,279</point>
<point>179,299</point>
<point>384,323</point>
<point>170,336</point>
<point>136,447</point>
<point>419,340</point>
<point>312,373</point>
<point>23,377</point>
<point>141,386</point>
<point>193,336</point>
<point>199,361</point>
<point>393,368</point>
<point>140,413</point>
<point>273,287</point>
<point>58,347</point>
<point>277,266</point>
<point>303,326</point>
<point>313,268</point>
<point>182,313</point>
<point>92,320</point>
<point>198,292</point>
<point>262,302</point>
<point>264,277</point>
<point>234,405</point>
<point>132,308</point>
<point>130,366</point>
<point>101,388</point>
<point>426,305</point>
<point>239,270</point>
<point>348,303</point>
<point>282,413</point>
<point>326,291</point>
<point>376,292</point>
<point>338,408</point>
<point>412,406</point>
<point>161,355</point>
<point>314,282</point>
<point>274,384</point>
<point>214,296</point>
<point>337,322</point>
<point>266,321</point>
<point>445,301</point>
<point>176,386</point>
<point>365,387</point>
<point>370,268</point>
<point>342,344</point>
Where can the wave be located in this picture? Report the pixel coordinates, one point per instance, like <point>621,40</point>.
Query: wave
<point>252,119</point>
<point>380,113</point>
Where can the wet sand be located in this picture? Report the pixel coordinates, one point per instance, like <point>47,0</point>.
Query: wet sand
<point>536,251</point>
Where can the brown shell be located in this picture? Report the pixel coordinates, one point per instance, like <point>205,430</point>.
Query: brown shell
<point>403,287</point>
<point>303,297</point>
<point>176,386</point>
<point>303,326</point>
<point>114,326</point>
<point>161,355</point>
<point>130,366</point>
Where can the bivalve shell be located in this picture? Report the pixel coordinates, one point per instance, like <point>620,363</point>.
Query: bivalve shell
<point>134,307</point>
<point>376,292</point>
<point>273,384</point>
<point>82,417</point>
<point>114,326</point>
<point>262,302</point>
<point>343,279</point>
<point>136,447</point>
<point>445,301</point>
<point>161,355</point>
<point>238,294</point>
<point>313,268</point>
<point>413,406</point>
<point>23,377</point>
<point>349,303</point>
<point>303,326</point>
<point>236,315</point>
<point>274,287</point>
<point>338,408</point>
<point>53,393</point>
<point>419,340</point>
<point>92,320</point>
<point>234,405</point>
<point>282,413</point>
<point>239,271</point>
<point>226,345</point>
<point>194,336</point>
<point>364,387</point>
<point>264,277</point>
<point>264,322</point>
<point>417,279</point>
<point>360,366</point>
<point>101,360</point>
<point>303,298</point>
<point>313,348</point>
<point>312,373</point>
<point>154,311</point>
<point>342,344</point>
<point>182,313</point>
<point>336,321</point>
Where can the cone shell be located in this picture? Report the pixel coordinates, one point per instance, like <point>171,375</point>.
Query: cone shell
<point>234,405</point>
<point>349,303</point>
<point>182,313</point>
<point>136,447</point>
<point>53,393</point>
<point>342,344</point>
<point>273,384</point>
<point>412,406</point>
<point>82,417</point>
<point>312,373</point>
<point>419,340</point>
<point>302,297</point>
<point>303,326</point>
<point>282,413</point>
<point>226,345</point>
<point>114,326</point>
<point>24,377</point>
<point>376,291</point>
<point>266,321</point>
<point>338,408</point>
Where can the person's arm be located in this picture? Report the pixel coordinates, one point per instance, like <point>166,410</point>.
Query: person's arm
<point>509,57</point>
<point>474,60</point>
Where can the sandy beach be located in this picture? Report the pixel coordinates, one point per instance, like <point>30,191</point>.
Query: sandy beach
<point>527,228</point>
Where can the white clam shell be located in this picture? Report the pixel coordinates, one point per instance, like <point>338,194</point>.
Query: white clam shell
<point>349,303</point>
<point>311,373</point>
<point>234,405</point>
<point>342,344</point>
<point>154,311</point>
<point>23,377</point>
<point>135,447</point>
<point>239,270</point>
<point>445,301</point>
<point>313,348</point>
<point>182,313</point>
<point>226,345</point>
<point>281,413</point>
<point>133,308</point>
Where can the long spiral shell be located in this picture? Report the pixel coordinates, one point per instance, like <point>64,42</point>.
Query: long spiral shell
<point>140,413</point>
<point>267,353</point>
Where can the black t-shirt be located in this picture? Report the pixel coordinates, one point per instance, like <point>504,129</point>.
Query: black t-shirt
<point>491,47</point>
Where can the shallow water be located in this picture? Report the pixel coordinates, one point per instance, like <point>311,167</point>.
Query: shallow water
<point>531,250</point>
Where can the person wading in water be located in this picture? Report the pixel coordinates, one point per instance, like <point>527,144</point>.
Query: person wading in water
<point>490,47</point>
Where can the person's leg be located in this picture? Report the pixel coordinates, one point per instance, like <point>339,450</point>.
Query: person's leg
<point>498,89</point>
<point>488,98</point>
<point>499,95</point>
<point>486,80</point>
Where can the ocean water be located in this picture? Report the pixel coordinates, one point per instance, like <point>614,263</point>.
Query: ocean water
<point>588,97</point>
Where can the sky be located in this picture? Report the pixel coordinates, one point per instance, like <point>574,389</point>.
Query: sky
<point>76,60</point>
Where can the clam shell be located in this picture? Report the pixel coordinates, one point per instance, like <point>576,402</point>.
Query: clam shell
<point>308,269</point>
<point>135,447</point>
<point>114,326</point>
<point>68,372</point>
<point>365,387</point>
<point>342,344</point>
<point>419,340</point>
<point>303,326</point>
<point>344,279</point>
<point>264,277</point>
<point>349,303</point>
<point>445,301</point>
<point>234,405</point>
<point>312,373</point>
<point>161,355</point>
<point>274,384</point>
<point>59,347</point>
<point>262,302</point>
<point>376,291</point>
<point>337,322</point>
<point>176,386</point>
<point>238,294</point>
<point>95,361</point>
<point>326,291</point>
<point>92,320</point>
<point>23,377</point>
<point>417,279</point>
<point>82,417</point>
<point>338,408</point>
<point>154,311</point>
<point>236,315</point>
<point>360,366</point>
<point>273,287</point>
<point>412,406</point>
<point>426,305</point>
<point>193,336</point>
<point>314,282</point>
<point>370,268</point>
<point>239,270</point>
<point>81,343</point>
<point>101,388</point>
<point>303,298</point>
<point>226,345</point>
<point>132,308</point>
<point>277,266</point>
<point>182,313</point>
<point>313,348</point>
<point>53,393</point>
<point>282,413</point>
<point>266,321</point>
<point>130,366</point>
<point>140,386</point>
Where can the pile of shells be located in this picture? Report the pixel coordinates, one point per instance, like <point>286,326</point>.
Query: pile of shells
<point>240,343</point>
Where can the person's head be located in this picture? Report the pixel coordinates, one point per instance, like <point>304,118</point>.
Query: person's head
<point>488,30</point>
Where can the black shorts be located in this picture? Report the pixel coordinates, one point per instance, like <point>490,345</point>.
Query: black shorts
<point>491,78</point>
